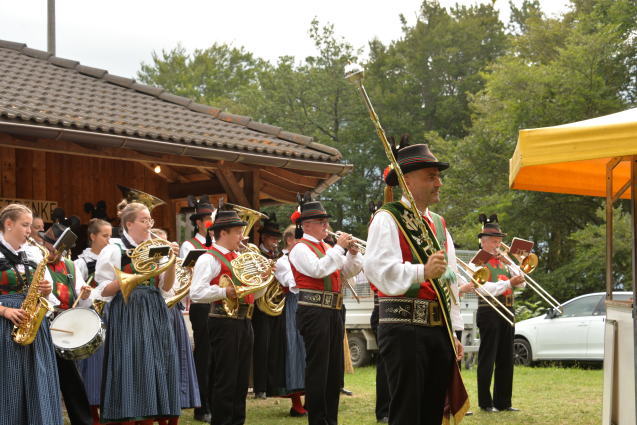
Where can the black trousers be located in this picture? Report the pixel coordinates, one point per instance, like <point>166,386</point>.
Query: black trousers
<point>199,320</point>
<point>268,361</point>
<point>322,331</point>
<point>496,349</point>
<point>73,392</point>
<point>231,349</point>
<point>419,363</point>
<point>382,386</point>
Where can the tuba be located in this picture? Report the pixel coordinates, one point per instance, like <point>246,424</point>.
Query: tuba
<point>34,304</point>
<point>251,269</point>
<point>146,265</point>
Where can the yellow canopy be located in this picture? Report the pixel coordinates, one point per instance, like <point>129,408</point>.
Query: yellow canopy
<point>572,158</point>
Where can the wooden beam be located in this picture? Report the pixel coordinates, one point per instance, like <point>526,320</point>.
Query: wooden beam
<point>167,173</point>
<point>231,186</point>
<point>285,184</point>
<point>207,187</point>
<point>70,148</point>
<point>308,182</point>
<point>7,163</point>
<point>277,193</point>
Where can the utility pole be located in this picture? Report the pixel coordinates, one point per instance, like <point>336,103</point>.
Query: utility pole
<point>51,27</point>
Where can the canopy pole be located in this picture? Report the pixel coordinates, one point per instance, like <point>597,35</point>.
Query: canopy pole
<point>610,166</point>
<point>633,199</point>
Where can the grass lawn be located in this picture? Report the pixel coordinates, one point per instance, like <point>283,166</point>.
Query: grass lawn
<point>545,395</point>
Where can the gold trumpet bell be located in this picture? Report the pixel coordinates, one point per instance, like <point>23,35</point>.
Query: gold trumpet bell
<point>482,275</point>
<point>273,301</point>
<point>128,282</point>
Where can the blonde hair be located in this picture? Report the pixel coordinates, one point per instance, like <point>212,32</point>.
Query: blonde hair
<point>127,212</point>
<point>288,233</point>
<point>13,212</point>
<point>94,226</point>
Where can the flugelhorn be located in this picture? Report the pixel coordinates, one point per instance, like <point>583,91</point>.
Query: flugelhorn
<point>360,243</point>
<point>528,263</point>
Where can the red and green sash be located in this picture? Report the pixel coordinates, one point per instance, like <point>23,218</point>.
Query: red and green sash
<point>63,275</point>
<point>249,299</point>
<point>195,242</point>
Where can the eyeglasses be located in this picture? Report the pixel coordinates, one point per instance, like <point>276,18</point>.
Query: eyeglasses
<point>147,221</point>
<point>323,222</point>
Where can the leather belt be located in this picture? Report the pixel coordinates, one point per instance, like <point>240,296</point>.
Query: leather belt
<point>413,311</point>
<point>324,299</point>
<point>244,312</point>
<point>507,300</point>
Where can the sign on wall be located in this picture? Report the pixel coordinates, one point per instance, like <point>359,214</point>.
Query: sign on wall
<point>42,208</point>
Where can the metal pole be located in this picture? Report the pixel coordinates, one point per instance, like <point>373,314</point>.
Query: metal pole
<point>609,230</point>
<point>51,26</point>
<point>633,199</point>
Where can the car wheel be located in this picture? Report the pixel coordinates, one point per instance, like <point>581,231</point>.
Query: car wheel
<point>358,350</point>
<point>522,355</point>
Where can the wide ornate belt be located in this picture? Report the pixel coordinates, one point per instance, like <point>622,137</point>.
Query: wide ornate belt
<point>413,311</point>
<point>325,299</point>
<point>507,300</point>
<point>244,312</point>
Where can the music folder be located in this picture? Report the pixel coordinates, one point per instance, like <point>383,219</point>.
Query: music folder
<point>481,257</point>
<point>521,247</point>
<point>192,256</point>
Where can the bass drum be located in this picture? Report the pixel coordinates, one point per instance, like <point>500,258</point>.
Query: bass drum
<point>77,333</point>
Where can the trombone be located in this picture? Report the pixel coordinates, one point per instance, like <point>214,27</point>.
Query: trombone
<point>479,277</point>
<point>361,244</point>
<point>528,263</point>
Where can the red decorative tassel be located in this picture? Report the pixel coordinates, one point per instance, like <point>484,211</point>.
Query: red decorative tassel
<point>295,216</point>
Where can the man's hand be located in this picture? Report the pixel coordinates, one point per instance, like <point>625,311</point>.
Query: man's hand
<point>344,240</point>
<point>354,248</point>
<point>174,248</point>
<point>45,287</point>
<point>467,287</point>
<point>459,349</point>
<point>516,280</point>
<point>435,266</point>
<point>231,292</point>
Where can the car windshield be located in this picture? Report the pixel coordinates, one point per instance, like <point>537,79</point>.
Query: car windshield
<point>582,306</point>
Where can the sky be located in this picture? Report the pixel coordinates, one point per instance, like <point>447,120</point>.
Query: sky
<point>118,35</point>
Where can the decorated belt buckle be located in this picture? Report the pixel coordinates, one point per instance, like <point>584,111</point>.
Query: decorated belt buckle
<point>434,314</point>
<point>327,299</point>
<point>339,301</point>
<point>420,312</point>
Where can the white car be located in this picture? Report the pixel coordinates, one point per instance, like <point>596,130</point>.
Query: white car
<point>575,334</point>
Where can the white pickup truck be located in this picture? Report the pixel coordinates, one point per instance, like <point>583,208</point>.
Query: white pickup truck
<point>362,342</point>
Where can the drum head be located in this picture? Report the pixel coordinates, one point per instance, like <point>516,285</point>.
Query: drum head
<point>83,322</point>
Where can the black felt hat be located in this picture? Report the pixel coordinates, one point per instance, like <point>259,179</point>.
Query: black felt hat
<point>412,158</point>
<point>226,219</point>
<point>309,209</point>
<point>201,206</point>
<point>490,226</point>
<point>271,227</point>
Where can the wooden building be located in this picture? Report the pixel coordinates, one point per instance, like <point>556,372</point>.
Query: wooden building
<point>70,133</point>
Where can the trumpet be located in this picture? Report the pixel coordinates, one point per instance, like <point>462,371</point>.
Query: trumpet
<point>360,243</point>
<point>528,263</point>
<point>479,277</point>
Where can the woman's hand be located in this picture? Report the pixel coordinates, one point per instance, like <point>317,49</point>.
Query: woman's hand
<point>45,287</point>
<point>85,292</point>
<point>15,315</point>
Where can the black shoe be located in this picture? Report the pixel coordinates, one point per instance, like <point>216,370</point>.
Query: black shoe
<point>489,409</point>
<point>346,391</point>
<point>296,414</point>
<point>260,396</point>
<point>203,417</point>
<point>510,409</point>
<point>383,420</point>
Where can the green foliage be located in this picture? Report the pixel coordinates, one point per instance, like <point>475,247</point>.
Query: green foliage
<point>464,82</point>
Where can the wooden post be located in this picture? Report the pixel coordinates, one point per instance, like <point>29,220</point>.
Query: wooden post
<point>7,162</point>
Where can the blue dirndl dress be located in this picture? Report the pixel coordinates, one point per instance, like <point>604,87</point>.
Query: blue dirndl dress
<point>188,384</point>
<point>295,347</point>
<point>91,370</point>
<point>140,376</point>
<point>31,390</point>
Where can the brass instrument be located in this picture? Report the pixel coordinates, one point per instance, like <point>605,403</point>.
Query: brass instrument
<point>183,275</point>
<point>252,269</point>
<point>528,263</point>
<point>145,266</point>
<point>479,276</point>
<point>360,243</point>
<point>273,301</point>
<point>35,305</point>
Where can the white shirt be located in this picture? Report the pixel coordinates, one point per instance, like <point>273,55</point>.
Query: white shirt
<point>308,263</point>
<point>499,287</point>
<point>187,246</point>
<point>87,256</point>
<point>207,268</point>
<point>33,254</point>
<point>283,273</point>
<point>384,264</point>
<point>111,256</point>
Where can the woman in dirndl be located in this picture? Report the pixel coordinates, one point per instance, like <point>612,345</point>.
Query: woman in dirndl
<point>99,233</point>
<point>28,373</point>
<point>188,384</point>
<point>140,380</point>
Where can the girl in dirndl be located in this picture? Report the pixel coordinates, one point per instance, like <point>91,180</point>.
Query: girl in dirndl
<point>140,380</point>
<point>99,234</point>
<point>28,373</point>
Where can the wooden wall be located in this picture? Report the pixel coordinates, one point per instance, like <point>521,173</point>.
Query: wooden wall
<point>73,180</point>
